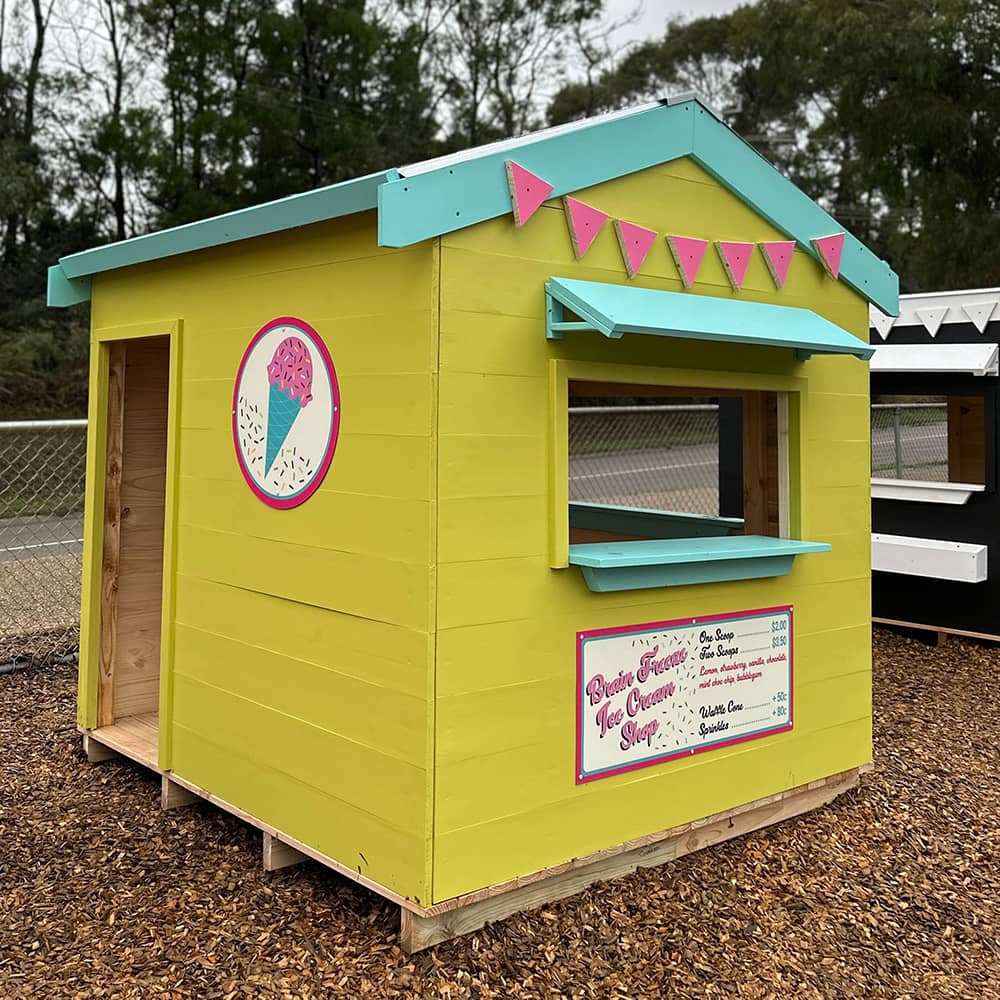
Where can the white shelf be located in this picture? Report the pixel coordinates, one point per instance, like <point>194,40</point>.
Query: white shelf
<point>921,491</point>
<point>929,557</point>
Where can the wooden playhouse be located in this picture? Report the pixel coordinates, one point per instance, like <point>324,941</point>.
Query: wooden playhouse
<point>336,579</point>
<point>935,511</point>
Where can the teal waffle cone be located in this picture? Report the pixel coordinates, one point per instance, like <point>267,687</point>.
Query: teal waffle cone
<point>281,413</point>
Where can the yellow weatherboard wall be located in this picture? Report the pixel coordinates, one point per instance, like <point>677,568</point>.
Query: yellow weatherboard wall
<point>387,673</point>
<point>505,799</point>
<point>299,682</point>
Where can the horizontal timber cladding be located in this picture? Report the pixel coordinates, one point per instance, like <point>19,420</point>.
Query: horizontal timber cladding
<point>303,638</point>
<point>947,604</point>
<point>505,798</point>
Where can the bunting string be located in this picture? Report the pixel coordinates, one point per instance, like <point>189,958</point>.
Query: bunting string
<point>528,191</point>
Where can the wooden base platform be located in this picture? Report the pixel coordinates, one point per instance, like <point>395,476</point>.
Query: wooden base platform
<point>136,737</point>
<point>941,630</point>
<point>464,914</point>
<point>423,927</point>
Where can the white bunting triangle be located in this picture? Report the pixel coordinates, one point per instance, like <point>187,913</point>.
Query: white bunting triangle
<point>980,313</point>
<point>881,322</point>
<point>932,318</point>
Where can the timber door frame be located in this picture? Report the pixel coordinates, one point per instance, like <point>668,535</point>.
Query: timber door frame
<point>91,624</point>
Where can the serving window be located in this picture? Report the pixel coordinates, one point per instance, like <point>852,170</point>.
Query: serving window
<point>664,485</point>
<point>931,447</point>
<point>659,462</point>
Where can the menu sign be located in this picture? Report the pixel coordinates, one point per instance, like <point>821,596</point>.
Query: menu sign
<point>654,692</point>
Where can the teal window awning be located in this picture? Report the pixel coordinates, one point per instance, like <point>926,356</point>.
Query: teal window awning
<point>615,310</point>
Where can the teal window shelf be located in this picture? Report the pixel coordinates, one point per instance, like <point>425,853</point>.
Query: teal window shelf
<point>673,562</point>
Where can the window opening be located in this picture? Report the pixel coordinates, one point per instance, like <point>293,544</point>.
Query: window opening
<point>929,438</point>
<point>654,462</point>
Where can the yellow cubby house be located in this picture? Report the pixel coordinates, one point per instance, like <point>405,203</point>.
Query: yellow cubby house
<point>349,574</point>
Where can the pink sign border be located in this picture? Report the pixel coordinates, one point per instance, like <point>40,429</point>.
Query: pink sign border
<point>286,503</point>
<point>582,779</point>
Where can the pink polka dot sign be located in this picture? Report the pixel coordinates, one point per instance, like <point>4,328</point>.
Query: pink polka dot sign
<point>286,412</point>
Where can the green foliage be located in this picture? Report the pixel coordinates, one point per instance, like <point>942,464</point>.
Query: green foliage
<point>886,111</point>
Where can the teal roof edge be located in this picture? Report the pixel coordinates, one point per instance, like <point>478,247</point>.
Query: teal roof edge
<point>460,194</point>
<point>303,209</point>
<point>415,208</point>
<point>430,200</point>
<point>64,291</point>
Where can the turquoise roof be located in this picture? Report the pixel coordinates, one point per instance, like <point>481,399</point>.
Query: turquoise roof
<point>615,310</point>
<point>425,200</point>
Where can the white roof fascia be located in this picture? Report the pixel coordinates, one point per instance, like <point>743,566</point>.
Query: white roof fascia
<point>910,305</point>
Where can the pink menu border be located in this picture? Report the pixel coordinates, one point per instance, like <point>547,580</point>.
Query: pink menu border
<point>582,779</point>
<point>285,503</point>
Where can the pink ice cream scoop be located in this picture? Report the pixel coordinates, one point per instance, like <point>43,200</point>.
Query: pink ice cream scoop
<point>290,376</point>
<point>291,370</point>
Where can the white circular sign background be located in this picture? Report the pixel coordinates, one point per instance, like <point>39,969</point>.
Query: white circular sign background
<point>303,438</point>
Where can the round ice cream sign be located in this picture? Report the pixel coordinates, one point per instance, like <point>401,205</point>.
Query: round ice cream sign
<point>286,412</point>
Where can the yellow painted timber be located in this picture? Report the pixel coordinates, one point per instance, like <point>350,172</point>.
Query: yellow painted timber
<point>298,633</point>
<point>381,589</point>
<point>379,526</point>
<point>386,655</point>
<point>506,798</point>
<point>241,772</point>
<point>382,720</point>
<point>369,464</point>
<point>561,829</point>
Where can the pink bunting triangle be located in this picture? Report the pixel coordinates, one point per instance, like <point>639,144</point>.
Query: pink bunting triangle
<point>830,250</point>
<point>527,191</point>
<point>584,224</point>
<point>778,257</point>
<point>735,259</point>
<point>688,254</point>
<point>635,242</point>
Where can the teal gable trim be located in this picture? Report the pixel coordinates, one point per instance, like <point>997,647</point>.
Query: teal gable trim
<point>64,291</point>
<point>672,562</point>
<point>475,190</point>
<point>288,213</point>
<point>615,310</point>
<point>427,200</point>
<point>739,167</point>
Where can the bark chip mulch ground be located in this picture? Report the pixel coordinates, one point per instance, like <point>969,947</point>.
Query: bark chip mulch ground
<point>890,892</point>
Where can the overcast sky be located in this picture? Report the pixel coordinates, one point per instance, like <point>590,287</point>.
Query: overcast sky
<point>655,13</point>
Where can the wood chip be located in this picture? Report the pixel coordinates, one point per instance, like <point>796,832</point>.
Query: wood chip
<point>890,892</point>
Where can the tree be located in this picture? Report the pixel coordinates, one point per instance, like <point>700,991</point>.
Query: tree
<point>886,111</point>
<point>490,59</point>
<point>337,93</point>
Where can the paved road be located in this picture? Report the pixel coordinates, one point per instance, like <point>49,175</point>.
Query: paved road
<point>38,537</point>
<point>667,477</point>
<point>674,478</point>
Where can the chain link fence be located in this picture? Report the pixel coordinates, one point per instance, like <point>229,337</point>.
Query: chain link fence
<point>640,454</point>
<point>657,456</point>
<point>42,478</point>
<point>910,439</point>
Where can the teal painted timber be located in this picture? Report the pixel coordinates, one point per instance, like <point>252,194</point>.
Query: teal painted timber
<point>472,187</point>
<point>474,190</point>
<point>64,291</point>
<point>739,167</point>
<point>287,213</point>
<point>649,523</point>
<point>615,310</point>
<point>673,562</point>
